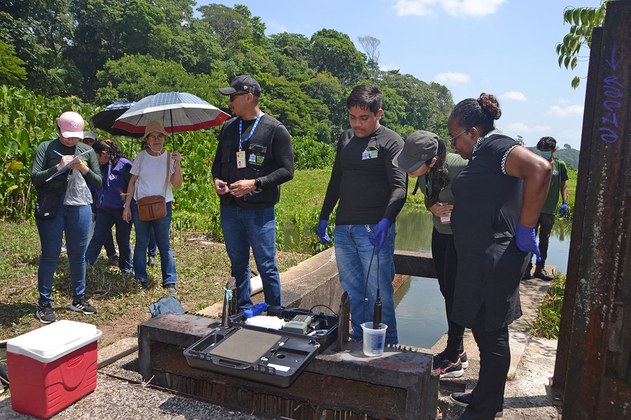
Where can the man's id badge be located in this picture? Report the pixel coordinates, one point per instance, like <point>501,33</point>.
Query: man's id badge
<point>241,159</point>
<point>370,154</point>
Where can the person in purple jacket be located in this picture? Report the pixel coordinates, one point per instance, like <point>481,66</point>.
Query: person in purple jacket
<point>109,204</point>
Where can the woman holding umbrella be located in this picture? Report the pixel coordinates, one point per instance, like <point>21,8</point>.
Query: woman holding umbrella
<point>149,172</point>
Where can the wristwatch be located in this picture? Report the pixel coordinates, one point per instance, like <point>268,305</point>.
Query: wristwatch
<point>257,183</point>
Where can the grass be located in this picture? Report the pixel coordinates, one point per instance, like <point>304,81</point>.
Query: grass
<point>203,269</point>
<point>547,324</point>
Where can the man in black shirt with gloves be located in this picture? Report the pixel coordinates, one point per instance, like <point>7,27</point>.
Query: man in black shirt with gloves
<point>369,191</point>
<point>254,156</point>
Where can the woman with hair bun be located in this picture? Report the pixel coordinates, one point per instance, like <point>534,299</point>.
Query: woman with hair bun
<point>109,204</point>
<point>498,198</point>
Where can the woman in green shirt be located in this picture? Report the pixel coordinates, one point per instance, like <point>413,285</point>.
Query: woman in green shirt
<point>424,156</point>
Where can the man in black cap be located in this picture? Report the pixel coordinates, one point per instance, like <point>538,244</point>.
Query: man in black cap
<point>254,156</point>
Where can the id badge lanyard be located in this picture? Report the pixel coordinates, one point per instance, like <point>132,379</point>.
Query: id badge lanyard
<point>241,153</point>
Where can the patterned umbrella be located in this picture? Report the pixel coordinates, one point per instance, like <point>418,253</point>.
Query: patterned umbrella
<point>105,119</point>
<point>176,111</point>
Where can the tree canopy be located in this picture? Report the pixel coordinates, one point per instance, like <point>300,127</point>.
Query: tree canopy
<point>122,50</point>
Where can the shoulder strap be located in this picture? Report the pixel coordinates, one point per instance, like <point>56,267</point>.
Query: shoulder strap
<point>166,181</point>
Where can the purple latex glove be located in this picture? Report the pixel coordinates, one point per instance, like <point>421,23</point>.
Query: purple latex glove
<point>324,237</point>
<point>380,234</point>
<point>526,240</point>
<point>563,209</point>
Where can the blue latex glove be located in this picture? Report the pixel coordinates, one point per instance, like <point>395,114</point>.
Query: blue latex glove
<point>526,240</point>
<point>381,233</point>
<point>563,209</point>
<point>324,237</point>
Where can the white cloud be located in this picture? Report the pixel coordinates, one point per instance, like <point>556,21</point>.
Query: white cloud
<point>388,67</point>
<point>523,128</point>
<point>564,101</point>
<point>513,96</point>
<point>568,111</point>
<point>452,77</point>
<point>275,27</point>
<point>414,7</point>
<point>452,7</point>
<point>471,7</point>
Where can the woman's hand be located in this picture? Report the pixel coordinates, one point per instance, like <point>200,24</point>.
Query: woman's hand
<point>441,209</point>
<point>127,214</point>
<point>177,157</point>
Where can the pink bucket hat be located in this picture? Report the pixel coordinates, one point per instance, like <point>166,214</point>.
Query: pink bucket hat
<point>71,124</point>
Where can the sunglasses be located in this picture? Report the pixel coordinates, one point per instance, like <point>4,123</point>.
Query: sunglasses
<point>234,95</point>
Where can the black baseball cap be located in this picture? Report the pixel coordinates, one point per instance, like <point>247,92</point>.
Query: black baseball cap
<point>243,83</point>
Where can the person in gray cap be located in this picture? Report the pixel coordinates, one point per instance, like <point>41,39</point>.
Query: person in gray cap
<point>424,156</point>
<point>254,156</point>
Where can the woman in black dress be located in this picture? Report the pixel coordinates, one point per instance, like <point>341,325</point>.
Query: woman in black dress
<point>498,197</point>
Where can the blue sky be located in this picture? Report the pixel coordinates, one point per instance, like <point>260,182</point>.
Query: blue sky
<point>503,47</point>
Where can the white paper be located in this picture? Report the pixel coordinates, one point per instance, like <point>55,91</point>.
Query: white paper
<point>67,165</point>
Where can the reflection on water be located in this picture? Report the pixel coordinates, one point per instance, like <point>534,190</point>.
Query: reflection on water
<point>420,307</point>
<point>420,311</point>
<point>414,230</point>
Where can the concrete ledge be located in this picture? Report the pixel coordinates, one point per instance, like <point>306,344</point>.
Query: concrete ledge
<point>312,282</point>
<point>398,385</point>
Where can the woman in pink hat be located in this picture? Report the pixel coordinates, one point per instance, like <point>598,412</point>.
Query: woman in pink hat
<point>62,169</point>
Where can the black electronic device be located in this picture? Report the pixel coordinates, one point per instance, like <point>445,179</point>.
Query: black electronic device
<point>321,327</point>
<point>271,357</point>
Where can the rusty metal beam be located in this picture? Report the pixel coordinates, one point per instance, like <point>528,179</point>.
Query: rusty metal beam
<point>598,352</point>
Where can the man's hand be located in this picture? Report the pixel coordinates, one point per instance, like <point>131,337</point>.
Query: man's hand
<point>242,187</point>
<point>221,187</point>
<point>563,209</point>
<point>324,237</point>
<point>526,240</point>
<point>381,233</point>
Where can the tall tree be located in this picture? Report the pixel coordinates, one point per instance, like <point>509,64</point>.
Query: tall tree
<point>40,31</point>
<point>334,52</point>
<point>12,70</point>
<point>370,44</point>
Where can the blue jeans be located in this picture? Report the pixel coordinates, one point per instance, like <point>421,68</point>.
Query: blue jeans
<point>105,219</point>
<point>75,221</point>
<point>353,251</point>
<point>161,228</point>
<point>244,228</point>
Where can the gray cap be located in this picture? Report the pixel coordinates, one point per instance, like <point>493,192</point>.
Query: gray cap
<point>90,135</point>
<point>419,147</point>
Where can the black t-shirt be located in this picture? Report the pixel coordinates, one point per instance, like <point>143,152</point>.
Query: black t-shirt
<point>364,180</point>
<point>269,158</point>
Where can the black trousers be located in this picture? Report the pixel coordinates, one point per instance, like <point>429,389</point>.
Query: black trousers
<point>544,228</point>
<point>444,256</point>
<point>488,395</point>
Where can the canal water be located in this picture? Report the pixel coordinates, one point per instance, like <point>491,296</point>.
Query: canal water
<point>420,308</point>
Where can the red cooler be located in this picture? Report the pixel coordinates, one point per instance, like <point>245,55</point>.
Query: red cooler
<point>52,367</point>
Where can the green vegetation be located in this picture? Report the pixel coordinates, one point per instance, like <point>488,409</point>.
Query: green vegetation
<point>548,321</point>
<point>582,21</point>
<point>203,269</point>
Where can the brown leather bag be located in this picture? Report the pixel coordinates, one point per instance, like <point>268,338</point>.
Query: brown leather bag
<point>155,206</point>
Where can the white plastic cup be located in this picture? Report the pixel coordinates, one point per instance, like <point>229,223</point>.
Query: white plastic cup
<point>374,339</point>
